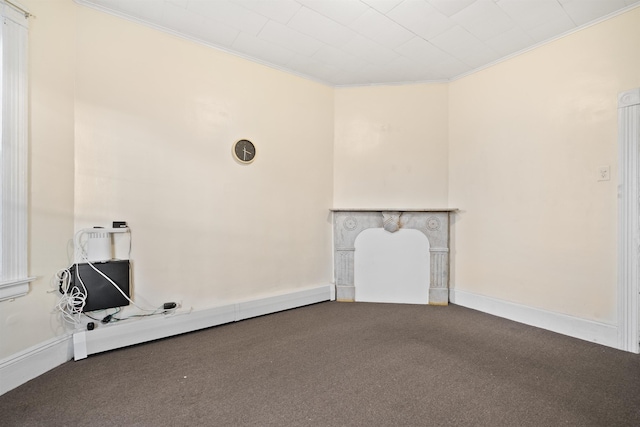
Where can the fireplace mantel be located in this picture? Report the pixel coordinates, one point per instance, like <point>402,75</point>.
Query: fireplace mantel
<point>433,223</point>
<point>394,210</point>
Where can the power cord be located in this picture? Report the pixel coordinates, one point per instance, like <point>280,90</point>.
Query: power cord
<point>166,309</point>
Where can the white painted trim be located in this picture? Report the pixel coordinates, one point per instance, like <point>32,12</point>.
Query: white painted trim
<point>15,153</point>
<point>628,219</point>
<point>109,337</point>
<point>15,288</point>
<point>26,365</point>
<point>273,304</point>
<point>588,330</point>
<point>16,12</point>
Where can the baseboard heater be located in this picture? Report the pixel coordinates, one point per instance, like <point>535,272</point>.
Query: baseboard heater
<point>111,337</point>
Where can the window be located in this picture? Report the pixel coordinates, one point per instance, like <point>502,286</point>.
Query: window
<point>14,281</point>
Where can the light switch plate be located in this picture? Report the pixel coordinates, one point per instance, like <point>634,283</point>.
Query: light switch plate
<point>604,173</point>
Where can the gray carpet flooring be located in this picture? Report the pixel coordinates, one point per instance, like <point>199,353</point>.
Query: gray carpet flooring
<point>343,364</point>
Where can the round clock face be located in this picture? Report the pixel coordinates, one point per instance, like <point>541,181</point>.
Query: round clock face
<point>244,151</point>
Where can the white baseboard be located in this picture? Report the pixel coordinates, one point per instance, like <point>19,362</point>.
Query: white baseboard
<point>119,335</point>
<point>34,361</point>
<point>588,330</point>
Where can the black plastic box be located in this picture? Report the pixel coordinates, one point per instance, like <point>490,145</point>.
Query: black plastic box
<point>100,293</point>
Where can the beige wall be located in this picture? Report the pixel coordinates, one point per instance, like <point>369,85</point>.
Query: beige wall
<point>391,147</point>
<point>30,320</point>
<point>156,117</point>
<point>526,139</point>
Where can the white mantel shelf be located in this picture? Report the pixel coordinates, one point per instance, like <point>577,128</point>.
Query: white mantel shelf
<point>394,210</point>
<point>432,222</point>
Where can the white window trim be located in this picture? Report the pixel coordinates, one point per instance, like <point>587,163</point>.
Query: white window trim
<point>14,280</point>
<point>15,289</point>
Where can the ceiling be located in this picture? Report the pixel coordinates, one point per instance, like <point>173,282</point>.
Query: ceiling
<point>362,42</point>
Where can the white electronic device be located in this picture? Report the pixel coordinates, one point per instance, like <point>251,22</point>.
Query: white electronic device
<point>98,244</point>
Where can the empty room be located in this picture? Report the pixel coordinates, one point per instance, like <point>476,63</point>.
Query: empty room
<point>320,212</point>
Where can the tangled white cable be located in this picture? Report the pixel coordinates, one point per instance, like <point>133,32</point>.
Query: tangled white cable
<point>72,301</point>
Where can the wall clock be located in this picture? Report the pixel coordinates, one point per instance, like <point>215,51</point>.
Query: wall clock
<point>244,151</point>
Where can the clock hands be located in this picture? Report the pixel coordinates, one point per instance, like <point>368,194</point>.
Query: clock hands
<point>244,153</point>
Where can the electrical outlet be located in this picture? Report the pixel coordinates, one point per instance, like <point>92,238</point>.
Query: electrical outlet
<point>604,173</point>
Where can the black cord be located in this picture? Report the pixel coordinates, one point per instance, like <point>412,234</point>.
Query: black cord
<point>155,313</point>
<point>106,319</point>
<point>91,317</point>
<point>110,318</point>
<point>159,310</point>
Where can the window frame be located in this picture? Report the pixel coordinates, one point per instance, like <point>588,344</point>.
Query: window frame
<point>14,141</point>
